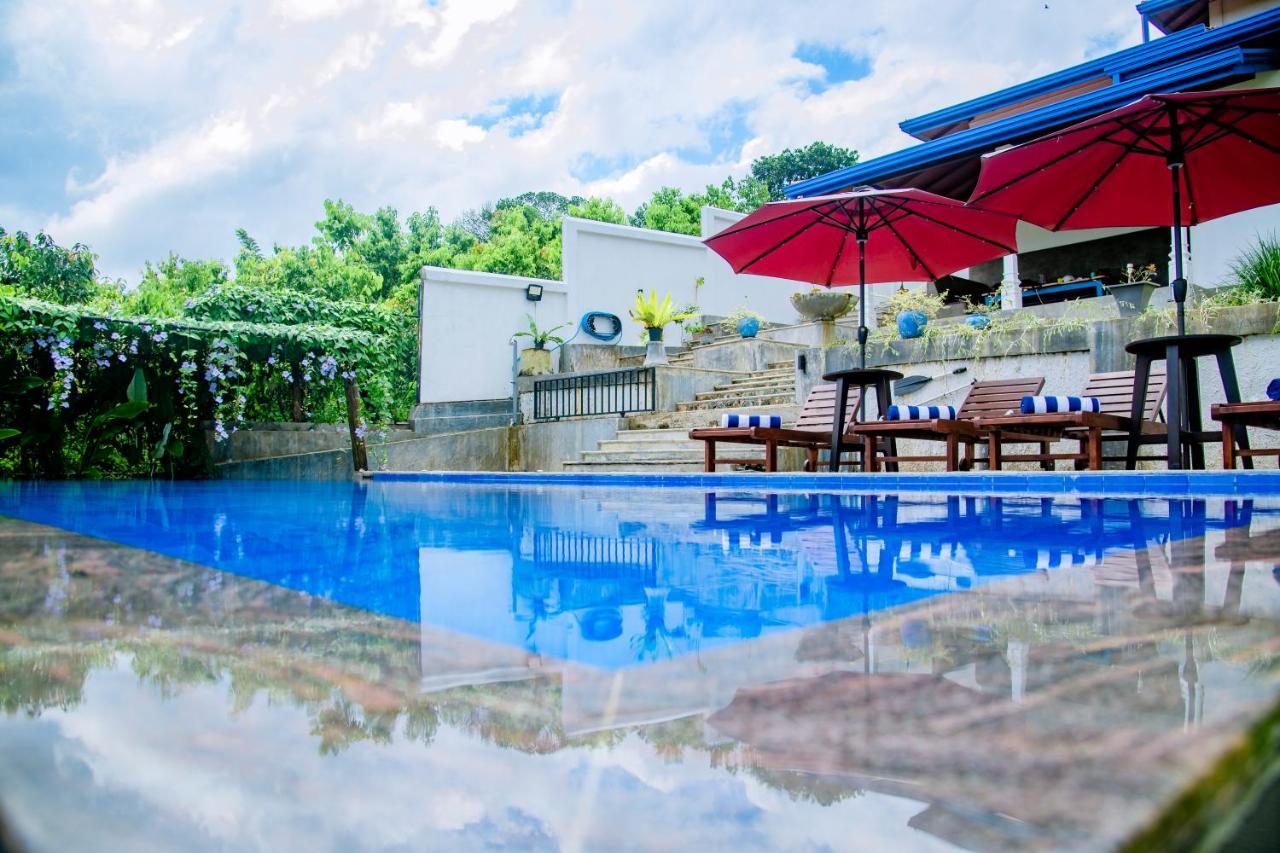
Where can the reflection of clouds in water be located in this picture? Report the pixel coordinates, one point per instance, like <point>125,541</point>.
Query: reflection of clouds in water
<point>256,780</point>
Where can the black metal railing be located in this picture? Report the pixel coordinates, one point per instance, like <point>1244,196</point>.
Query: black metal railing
<point>609,392</point>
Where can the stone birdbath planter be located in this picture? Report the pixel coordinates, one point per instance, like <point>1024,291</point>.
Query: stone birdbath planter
<point>824,307</point>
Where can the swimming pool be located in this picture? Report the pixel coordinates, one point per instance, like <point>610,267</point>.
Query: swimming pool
<point>622,666</point>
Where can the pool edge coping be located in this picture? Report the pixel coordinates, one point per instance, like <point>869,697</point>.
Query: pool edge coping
<point>1171,483</point>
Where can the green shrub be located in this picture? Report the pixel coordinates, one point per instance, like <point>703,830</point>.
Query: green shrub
<point>1257,269</point>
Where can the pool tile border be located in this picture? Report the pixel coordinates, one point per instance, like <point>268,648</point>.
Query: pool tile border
<point>1172,483</point>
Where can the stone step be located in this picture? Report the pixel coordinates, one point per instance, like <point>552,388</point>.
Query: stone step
<point>702,418</point>
<point>679,442</point>
<point>654,467</point>
<point>743,402</point>
<point>651,434</point>
<point>754,382</point>
<point>672,456</point>
<point>764,388</point>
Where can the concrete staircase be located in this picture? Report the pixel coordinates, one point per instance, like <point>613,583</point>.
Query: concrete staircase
<point>659,441</point>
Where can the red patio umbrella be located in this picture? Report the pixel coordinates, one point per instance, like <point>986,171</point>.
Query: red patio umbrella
<point>1165,160</point>
<point>864,236</point>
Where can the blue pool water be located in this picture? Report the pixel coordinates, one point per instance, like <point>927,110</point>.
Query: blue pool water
<point>611,577</point>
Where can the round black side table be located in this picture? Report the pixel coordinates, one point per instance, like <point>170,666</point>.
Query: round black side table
<point>864,378</point>
<point>1185,434</point>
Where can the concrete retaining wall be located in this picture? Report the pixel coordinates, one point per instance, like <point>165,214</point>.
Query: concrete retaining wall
<point>478,450</point>
<point>547,446</point>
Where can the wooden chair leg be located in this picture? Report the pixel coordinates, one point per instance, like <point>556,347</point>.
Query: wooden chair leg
<point>1229,447</point>
<point>709,457</point>
<point>770,457</point>
<point>811,459</point>
<point>994,450</point>
<point>1094,449</point>
<point>1046,464</point>
<point>953,452</point>
<point>869,460</point>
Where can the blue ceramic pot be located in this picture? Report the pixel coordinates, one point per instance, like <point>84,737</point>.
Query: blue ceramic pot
<point>911,323</point>
<point>978,321</point>
<point>748,326</point>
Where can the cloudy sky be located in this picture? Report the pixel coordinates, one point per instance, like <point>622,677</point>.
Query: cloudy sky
<point>144,126</point>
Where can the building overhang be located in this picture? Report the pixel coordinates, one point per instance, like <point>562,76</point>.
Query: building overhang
<point>1170,16</point>
<point>949,164</point>
<point>1114,68</point>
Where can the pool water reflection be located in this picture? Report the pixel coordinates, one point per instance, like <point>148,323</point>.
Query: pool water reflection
<point>371,666</point>
<point>588,575</point>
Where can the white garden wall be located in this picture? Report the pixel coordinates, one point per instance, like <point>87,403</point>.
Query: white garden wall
<point>604,266</point>
<point>468,317</point>
<point>467,322</point>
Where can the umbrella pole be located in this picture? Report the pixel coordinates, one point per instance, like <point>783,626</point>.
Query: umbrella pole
<point>862,300</point>
<point>1179,284</point>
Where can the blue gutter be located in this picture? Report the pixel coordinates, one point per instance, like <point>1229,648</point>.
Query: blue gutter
<point>1198,39</point>
<point>1201,71</point>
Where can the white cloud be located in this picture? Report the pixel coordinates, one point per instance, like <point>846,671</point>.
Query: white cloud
<point>356,53</point>
<point>213,115</point>
<point>457,134</point>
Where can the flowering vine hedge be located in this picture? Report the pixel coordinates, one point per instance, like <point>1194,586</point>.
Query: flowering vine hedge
<point>101,395</point>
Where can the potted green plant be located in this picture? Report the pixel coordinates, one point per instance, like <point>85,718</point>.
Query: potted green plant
<point>698,332</point>
<point>654,314</point>
<point>743,321</point>
<point>535,360</point>
<point>1133,294</point>
<point>911,310</point>
<point>978,314</point>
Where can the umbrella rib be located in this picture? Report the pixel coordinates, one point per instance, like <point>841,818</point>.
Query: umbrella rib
<point>903,241</point>
<point>775,247</point>
<point>1124,152</point>
<point>740,230</point>
<point>966,232</point>
<point>844,239</point>
<point>1225,129</point>
<point>1055,160</point>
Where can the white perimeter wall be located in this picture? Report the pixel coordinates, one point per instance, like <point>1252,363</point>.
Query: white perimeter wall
<point>467,322</point>
<point>469,317</point>
<point>604,266</point>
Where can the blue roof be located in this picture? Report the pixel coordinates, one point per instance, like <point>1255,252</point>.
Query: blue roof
<point>1122,64</point>
<point>1173,15</point>
<point>1200,67</point>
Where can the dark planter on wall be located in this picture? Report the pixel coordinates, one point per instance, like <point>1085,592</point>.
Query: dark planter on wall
<point>655,334</point>
<point>1133,298</point>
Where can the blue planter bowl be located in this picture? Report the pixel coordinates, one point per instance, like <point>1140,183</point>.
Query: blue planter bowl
<point>911,323</point>
<point>748,327</point>
<point>978,321</point>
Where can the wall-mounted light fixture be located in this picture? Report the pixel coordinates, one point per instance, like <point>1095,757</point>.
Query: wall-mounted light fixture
<point>533,292</point>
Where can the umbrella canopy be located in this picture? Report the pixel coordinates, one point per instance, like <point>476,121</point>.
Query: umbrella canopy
<point>1165,160</point>
<point>864,236</point>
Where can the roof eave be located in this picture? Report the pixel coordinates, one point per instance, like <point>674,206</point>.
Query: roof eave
<point>1202,71</point>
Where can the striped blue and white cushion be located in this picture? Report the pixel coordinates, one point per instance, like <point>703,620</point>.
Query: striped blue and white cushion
<point>920,413</point>
<point>1049,405</point>
<point>733,419</point>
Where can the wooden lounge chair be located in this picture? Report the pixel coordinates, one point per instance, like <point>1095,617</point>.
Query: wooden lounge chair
<point>1115,396</point>
<point>812,431</point>
<point>1238,416</point>
<point>984,398</point>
